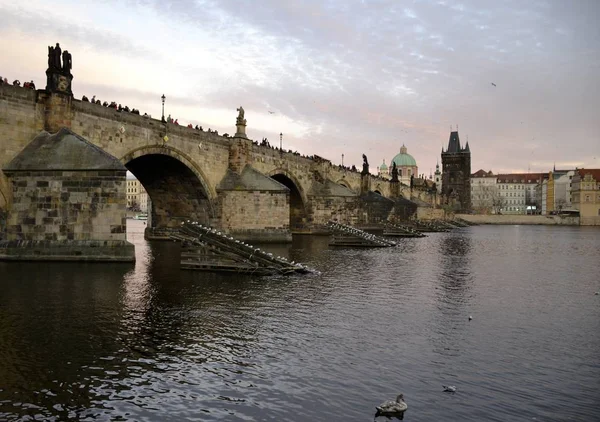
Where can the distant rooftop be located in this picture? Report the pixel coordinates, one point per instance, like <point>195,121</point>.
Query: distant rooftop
<point>520,177</point>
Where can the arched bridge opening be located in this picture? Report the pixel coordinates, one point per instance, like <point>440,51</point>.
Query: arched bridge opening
<point>175,191</point>
<point>298,215</point>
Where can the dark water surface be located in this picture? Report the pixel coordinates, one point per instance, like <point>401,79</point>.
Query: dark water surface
<point>148,342</point>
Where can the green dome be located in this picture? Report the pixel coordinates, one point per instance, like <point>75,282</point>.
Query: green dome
<point>383,166</point>
<point>404,159</point>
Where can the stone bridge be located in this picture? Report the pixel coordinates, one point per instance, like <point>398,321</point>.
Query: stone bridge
<point>230,182</point>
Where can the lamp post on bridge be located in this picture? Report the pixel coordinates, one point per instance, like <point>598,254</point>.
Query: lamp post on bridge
<point>342,160</point>
<point>163,98</point>
<point>280,143</point>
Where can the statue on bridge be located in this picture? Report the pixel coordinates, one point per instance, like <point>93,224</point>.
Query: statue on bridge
<point>394,172</point>
<point>58,74</point>
<point>67,62</point>
<point>54,54</point>
<point>365,169</point>
<point>240,123</point>
<point>240,118</point>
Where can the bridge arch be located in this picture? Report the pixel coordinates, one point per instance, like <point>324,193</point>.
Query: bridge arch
<point>298,200</point>
<point>177,187</point>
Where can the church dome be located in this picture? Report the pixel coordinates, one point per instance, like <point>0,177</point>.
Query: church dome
<point>383,166</point>
<point>404,159</point>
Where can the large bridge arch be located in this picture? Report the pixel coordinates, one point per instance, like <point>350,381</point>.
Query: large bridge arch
<point>176,186</point>
<point>298,199</point>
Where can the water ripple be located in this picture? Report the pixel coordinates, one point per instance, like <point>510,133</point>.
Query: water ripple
<point>153,343</point>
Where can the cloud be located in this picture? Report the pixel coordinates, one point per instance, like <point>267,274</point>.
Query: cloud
<point>342,77</point>
<point>52,26</point>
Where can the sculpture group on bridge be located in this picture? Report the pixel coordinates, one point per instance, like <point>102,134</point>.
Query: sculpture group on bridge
<point>58,74</point>
<point>54,59</point>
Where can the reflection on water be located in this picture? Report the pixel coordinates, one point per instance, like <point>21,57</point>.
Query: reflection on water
<point>151,342</point>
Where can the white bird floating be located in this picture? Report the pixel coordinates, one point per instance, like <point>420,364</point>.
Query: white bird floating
<point>449,388</point>
<point>390,408</point>
<point>470,317</point>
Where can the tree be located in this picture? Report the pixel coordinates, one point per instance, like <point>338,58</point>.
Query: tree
<point>487,193</point>
<point>560,204</point>
<point>498,202</point>
<point>134,206</point>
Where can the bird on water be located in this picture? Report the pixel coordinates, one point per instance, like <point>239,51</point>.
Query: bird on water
<point>449,388</point>
<point>392,408</point>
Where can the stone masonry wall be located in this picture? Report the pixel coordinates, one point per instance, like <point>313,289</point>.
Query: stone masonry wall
<point>68,205</point>
<point>21,119</point>
<point>256,216</point>
<point>590,221</point>
<point>58,112</point>
<point>254,210</point>
<point>425,213</point>
<point>341,209</point>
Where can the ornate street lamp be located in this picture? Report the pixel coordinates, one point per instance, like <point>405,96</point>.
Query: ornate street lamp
<point>342,160</point>
<point>280,143</point>
<point>163,107</point>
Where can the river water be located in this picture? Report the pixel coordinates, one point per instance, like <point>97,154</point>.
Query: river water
<point>148,342</point>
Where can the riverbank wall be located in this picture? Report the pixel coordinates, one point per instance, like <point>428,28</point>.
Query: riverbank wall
<point>521,219</point>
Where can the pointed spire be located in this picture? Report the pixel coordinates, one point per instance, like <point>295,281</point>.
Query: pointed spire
<point>467,147</point>
<point>454,143</point>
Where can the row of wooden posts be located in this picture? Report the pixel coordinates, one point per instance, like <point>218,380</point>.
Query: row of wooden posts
<point>205,248</point>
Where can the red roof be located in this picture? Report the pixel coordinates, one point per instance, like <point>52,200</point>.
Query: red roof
<point>482,173</point>
<point>594,172</point>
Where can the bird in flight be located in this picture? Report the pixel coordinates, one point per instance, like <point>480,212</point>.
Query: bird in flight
<point>493,84</point>
<point>271,112</point>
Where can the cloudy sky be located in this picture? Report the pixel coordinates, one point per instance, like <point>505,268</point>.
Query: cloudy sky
<point>340,76</point>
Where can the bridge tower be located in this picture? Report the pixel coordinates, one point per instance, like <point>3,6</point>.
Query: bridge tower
<point>456,173</point>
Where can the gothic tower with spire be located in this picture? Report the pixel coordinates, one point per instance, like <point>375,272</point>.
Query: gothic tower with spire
<point>456,173</point>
